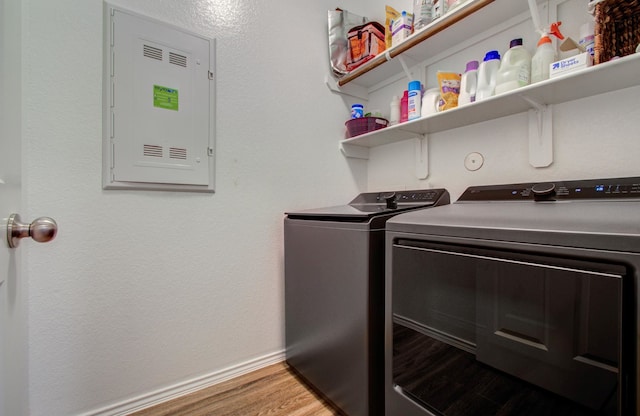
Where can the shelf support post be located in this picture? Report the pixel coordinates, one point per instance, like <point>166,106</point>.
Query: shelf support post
<point>421,145</point>
<point>540,133</point>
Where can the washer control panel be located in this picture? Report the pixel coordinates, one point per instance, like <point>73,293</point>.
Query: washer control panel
<point>419,196</point>
<point>615,188</point>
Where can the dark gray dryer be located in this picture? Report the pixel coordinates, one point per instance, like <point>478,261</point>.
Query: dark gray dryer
<point>334,294</point>
<point>517,299</point>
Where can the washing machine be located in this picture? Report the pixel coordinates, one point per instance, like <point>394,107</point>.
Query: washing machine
<point>517,299</point>
<point>334,294</point>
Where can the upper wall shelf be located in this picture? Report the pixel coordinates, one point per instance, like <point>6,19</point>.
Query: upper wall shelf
<point>610,76</point>
<point>475,16</point>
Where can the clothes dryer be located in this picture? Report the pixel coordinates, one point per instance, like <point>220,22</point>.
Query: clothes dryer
<point>518,299</point>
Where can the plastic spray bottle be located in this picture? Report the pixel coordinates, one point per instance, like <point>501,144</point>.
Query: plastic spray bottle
<point>545,54</point>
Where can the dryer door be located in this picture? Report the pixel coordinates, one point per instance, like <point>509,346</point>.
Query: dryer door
<point>556,324</point>
<point>468,319</point>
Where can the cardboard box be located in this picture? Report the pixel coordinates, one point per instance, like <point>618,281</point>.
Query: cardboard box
<point>401,28</point>
<point>569,65</point>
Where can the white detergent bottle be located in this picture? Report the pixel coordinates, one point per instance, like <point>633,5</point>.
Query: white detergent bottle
<point>487,75</point>
<point>545,55</point>
<point>468,84</point>
<point>515,68</point>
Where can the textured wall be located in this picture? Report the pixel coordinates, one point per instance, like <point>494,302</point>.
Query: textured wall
<point>141,290</point>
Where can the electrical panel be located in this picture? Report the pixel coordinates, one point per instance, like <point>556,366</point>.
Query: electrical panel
<point>158,105</point>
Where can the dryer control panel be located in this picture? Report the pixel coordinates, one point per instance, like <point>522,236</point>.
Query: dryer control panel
<point>613,188</point>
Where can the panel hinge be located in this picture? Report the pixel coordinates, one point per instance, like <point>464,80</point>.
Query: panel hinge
<point>210,75</point>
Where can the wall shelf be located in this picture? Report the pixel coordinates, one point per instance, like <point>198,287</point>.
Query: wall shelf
<point>442,34</point>
<point>448,32</point>
<point>610,76</point>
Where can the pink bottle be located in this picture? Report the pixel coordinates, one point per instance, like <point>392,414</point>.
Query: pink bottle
<point>404,107</point>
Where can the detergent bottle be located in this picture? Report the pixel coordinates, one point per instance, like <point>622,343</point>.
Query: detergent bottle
<point>487,75</point>
<point>515,68</point>
<point>545,54</point>
<point>469,84</point>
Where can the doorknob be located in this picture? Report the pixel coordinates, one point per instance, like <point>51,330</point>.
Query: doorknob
<point>42,230</point>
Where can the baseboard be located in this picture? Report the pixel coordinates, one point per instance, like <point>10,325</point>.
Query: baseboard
<point>171,392</point>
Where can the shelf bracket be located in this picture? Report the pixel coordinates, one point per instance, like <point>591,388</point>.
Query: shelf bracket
<point>421,146</point>
<point>405,67</point>
<point>354,152</point>
<point>352,90</point>
<point>540,133</point>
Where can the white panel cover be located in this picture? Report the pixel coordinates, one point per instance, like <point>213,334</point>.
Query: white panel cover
<point>160,105</point>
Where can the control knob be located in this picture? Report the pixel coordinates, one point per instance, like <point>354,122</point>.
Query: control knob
<point>544,191</point>
<point>390,199</point>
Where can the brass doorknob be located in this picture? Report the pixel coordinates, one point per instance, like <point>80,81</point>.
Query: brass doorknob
<point>42,230</point>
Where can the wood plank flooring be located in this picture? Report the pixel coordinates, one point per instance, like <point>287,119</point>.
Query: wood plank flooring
<point>274,390</point>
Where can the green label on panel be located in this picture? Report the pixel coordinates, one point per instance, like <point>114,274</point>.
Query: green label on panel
<point>164,97</point>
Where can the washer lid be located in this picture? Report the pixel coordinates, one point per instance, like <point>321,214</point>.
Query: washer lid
<point>372,204</point>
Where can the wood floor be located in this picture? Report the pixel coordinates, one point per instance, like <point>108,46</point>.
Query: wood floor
<point>274,390</point>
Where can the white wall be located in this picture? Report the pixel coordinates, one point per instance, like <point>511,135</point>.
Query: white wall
<point>144,290</point>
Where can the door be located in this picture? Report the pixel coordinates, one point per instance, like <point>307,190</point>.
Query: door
<point>478,331</point>
<point>13,325</point>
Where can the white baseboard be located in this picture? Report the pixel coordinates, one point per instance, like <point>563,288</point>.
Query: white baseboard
<point>180,389</point>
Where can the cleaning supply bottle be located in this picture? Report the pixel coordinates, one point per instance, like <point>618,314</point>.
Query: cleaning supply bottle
<point>515,68</point>
<point>404,107</point>
<point>545,55</point>
<point>422,13</point>
<point>468,84</point>
<point>394,111</point>
<point>487,75</point>
<point>587,36</point>
<point>414,100</point>
<point>357,111</point>
<point>440,8</point>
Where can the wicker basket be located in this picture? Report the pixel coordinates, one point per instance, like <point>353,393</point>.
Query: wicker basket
<point>617,29</point>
